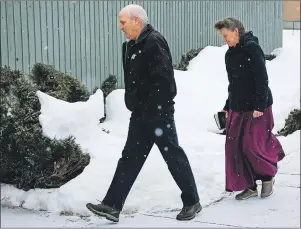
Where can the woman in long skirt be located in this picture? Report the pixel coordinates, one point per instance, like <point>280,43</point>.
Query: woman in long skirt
<point>252,151</point>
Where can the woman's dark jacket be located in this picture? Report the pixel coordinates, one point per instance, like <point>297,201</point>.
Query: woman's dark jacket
<point>248,79</point>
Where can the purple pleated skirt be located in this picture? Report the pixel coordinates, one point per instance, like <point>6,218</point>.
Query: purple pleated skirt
<point>252,150</point>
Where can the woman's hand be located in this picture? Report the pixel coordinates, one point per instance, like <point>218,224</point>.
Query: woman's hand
<point>257,114</point>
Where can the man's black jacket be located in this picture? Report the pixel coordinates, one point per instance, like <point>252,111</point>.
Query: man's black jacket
<point>148,72</point>
<point>248,79</point>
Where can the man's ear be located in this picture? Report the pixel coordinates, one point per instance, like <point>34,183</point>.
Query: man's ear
<point>136,19</point>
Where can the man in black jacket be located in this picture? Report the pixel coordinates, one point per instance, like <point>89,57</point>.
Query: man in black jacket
<point>150,89</point>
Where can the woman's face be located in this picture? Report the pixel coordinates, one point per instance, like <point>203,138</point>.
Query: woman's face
<point>229,36</point>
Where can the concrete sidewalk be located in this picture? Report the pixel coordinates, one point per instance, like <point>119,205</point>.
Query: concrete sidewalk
<point>282,209</point>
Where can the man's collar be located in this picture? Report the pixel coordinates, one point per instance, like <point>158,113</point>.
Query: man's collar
<point>144,33</point>
<point>147,29</point>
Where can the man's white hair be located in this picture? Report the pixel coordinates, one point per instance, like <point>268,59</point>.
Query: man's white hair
<point>136,11</point>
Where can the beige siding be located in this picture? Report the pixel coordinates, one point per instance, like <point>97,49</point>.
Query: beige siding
<point>291,10</point>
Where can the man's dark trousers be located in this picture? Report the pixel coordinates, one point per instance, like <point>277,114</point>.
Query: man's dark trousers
<point>144,131</point>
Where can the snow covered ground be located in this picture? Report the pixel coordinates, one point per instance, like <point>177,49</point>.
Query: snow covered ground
<point>155,198</point>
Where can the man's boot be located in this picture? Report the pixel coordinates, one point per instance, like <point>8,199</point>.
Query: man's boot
<point>105,211</point>
<point>189,212</point>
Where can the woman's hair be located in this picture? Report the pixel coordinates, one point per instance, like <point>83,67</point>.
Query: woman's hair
<point>230,23</point>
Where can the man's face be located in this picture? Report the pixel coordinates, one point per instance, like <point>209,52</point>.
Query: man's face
<point>129,26</point>
<point>230,37</point>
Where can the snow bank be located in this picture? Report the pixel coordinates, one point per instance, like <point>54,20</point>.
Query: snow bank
<point>284,75</point>
<point>60,118</point>
<point>202,91</point>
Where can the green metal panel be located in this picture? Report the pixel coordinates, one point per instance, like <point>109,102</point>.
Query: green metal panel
<point>43,30</point>
<point>17,35</point>
<point>82,38</point>
<point>10,35</point>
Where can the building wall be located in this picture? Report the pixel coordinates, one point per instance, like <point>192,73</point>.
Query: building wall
<point>291,14</point>
<point>82,37</point>
<point>291,10</point>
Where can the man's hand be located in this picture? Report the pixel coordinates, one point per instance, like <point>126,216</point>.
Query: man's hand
<point>226,113</point>
<point>257,114</point>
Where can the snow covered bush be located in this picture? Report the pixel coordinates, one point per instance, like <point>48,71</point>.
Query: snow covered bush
<point>269,56</point>
<point>108,85</point>
<point>186,58</point>
<point>58,84</point>
<point>29,159</point>
<point>292,123</point>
